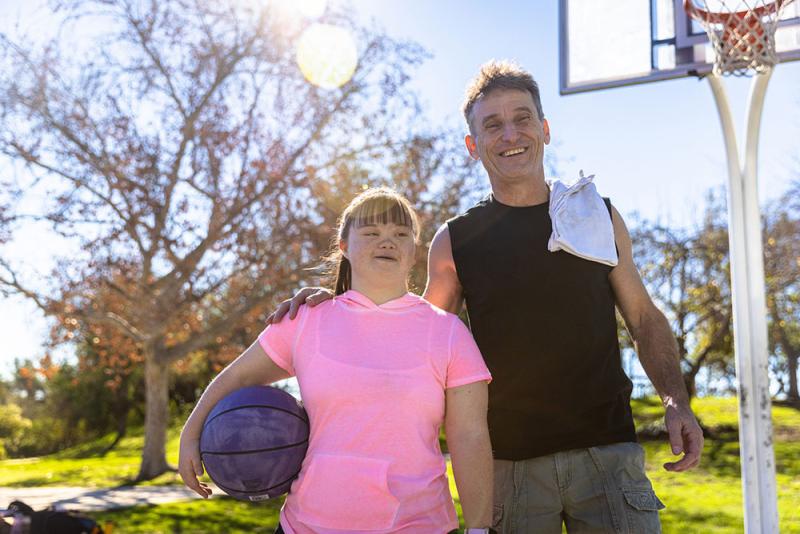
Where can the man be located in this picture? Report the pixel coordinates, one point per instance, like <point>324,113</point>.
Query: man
<point>559,405</point>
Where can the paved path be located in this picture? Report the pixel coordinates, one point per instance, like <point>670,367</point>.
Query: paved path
<point>93,499</point>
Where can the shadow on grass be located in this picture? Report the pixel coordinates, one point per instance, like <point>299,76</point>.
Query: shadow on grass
<point>96,448</point>
<point>62,477</point>
<point>33,482</point>
<point>722,457</point>
<point>152,481</point>
<point>647,411</point>
<point>652,402</point>
<point>787,457</point>
<point>787,404</point>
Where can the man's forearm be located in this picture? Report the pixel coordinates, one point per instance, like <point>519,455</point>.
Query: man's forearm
<point>658,354</point>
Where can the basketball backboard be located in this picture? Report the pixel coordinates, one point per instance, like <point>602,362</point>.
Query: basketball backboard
<point>611,43</point>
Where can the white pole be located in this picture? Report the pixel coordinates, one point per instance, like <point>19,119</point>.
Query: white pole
<point>749,312</point>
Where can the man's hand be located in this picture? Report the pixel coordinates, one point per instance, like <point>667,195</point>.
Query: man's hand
<point>308,295</point>
<point>190,466</point>
<point>685,436</point>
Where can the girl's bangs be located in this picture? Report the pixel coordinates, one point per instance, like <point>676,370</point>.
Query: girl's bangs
<point>381,210</point>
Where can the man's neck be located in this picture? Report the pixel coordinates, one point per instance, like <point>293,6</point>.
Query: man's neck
<point>529,192</point>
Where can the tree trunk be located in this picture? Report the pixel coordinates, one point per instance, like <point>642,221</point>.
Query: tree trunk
<point>122,429</point>
<point>690,380</point>
<point>793,393</point>
<point>156,380</point>
<point>121,415</point>
<point>792,355</point>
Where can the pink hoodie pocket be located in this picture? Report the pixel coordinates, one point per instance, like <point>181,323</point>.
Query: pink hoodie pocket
<point>346,492</point>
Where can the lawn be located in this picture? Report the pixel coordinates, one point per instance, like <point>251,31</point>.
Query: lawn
<point>84,466</point>
<point>213,516</point>
<point>707,499</point>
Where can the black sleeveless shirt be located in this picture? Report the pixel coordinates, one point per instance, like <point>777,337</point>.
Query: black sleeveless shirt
<point>545,324</point>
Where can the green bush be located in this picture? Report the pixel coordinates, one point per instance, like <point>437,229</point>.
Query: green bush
<point>45,435</point>
<point>12,427</point>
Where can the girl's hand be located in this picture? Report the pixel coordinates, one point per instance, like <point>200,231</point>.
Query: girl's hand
<point>190,466</point>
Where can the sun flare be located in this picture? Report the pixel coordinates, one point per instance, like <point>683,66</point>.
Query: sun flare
<point>327,55</point>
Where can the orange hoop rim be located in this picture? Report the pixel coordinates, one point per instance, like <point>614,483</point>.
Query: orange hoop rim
<point>703,15</point>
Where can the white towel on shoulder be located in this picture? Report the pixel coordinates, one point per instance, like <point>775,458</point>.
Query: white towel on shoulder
<point>581,222</point>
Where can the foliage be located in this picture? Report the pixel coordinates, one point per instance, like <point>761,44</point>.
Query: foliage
<point>71,403</point>
<point>46,431</point>
<point>12,427</point>
<point>782,268</point>
<point>687,273</point>
<point>77,403</point>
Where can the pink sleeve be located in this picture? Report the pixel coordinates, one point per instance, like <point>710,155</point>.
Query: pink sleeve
<point>465,365</point>
<point>279,340</point>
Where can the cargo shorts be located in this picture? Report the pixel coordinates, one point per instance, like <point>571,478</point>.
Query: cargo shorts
<point>596,490</point>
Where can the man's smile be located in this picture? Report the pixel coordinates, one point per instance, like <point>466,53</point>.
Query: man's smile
<point>513,152</point>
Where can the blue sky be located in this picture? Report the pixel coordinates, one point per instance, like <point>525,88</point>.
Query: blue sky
<point>654,148</point>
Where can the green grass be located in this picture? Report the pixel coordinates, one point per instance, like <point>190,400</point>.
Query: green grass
<point>218,515</point>
<point>707,499</point>
<point>83,466</point>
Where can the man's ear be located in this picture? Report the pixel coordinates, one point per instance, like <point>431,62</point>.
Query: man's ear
<point>472,147</point>
<point>546,127</point>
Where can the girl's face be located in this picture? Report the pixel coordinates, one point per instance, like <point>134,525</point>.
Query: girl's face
<point>380,254</point>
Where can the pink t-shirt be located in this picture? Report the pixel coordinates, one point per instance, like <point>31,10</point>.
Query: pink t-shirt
<point>373,382</point>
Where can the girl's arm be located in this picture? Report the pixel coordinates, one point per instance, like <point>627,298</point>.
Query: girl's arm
<point>470,451</point>
<point>252,368</point>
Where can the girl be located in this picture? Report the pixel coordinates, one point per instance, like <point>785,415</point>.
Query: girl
<point>379,371</point>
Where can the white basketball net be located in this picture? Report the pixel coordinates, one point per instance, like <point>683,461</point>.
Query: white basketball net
<point>742,32</point>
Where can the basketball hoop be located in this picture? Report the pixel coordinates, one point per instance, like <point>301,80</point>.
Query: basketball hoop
<point>742,32</point>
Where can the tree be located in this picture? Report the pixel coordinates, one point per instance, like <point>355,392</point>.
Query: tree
<point>184,155</point>
<point>782,268</point>
<point>98,392</point>
<point>12,426</point>
<point>686,272</point>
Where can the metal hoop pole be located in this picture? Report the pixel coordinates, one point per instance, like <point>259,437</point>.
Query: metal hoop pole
<point>749,311</point>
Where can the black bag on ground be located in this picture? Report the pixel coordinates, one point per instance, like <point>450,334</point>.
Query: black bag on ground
<point>50,521</point>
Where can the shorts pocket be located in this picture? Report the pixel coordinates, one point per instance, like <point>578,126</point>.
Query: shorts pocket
<point>347,493</point>
<point>497,517</point>
<point>641,510</point>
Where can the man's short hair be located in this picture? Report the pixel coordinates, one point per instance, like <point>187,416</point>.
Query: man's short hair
<point>495,75</point>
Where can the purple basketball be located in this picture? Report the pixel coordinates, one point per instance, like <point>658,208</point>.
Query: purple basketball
<point>254,441</point>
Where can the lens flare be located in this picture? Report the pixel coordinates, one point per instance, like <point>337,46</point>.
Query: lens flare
<point>327,55</point>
